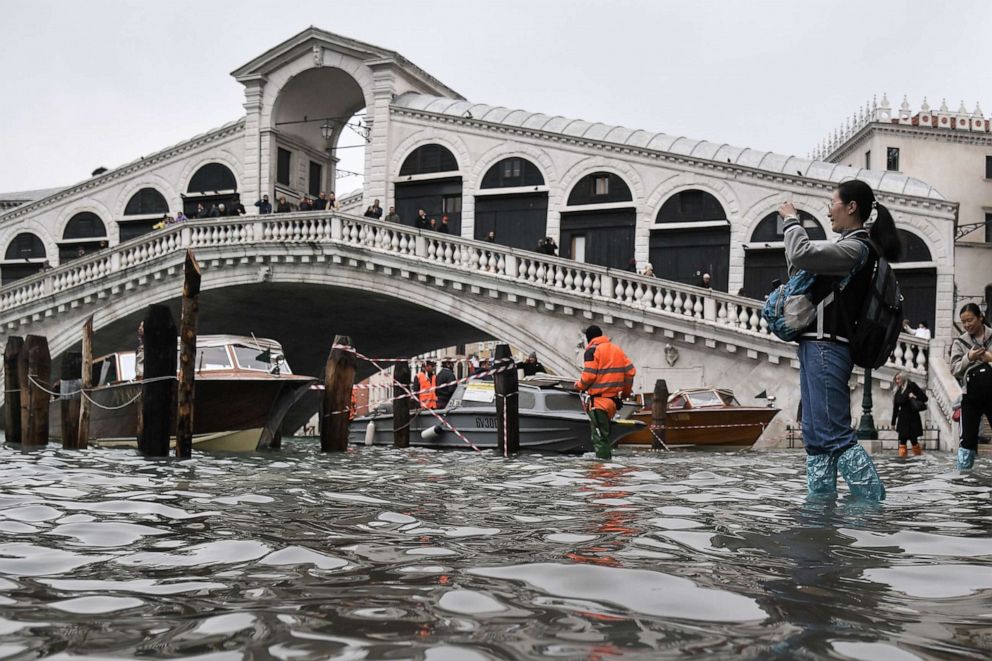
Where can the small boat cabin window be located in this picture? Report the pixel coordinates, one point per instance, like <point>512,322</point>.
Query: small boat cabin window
<point>526,399</point>
<point>105,370</point>
<point>554,401</point>
<point>213,358</point>
<point>677,402</point>
<point>263,360</point>
<point>705,398</point>
<point>128,367</point>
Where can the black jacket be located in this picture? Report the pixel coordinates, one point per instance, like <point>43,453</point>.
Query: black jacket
<point>905,417</point>
<point>444,392</point>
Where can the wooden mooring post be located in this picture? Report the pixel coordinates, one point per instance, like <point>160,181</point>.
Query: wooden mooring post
<point>187,357</point>
<point>86,369</point>
<point>34,368</point>
<point>507,403</point>
<point>155,423</point>
<point>70,397</point>
<point>401,405</point>
<point>659,415</point>
<point>339,379</point>
<point>12,389</point>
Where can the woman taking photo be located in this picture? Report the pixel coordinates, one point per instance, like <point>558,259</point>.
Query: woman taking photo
<point>825,365</point>
<point>971,355</point>
<point>907,402</point>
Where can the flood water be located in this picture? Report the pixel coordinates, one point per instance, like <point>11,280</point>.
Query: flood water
<point>387,554</point>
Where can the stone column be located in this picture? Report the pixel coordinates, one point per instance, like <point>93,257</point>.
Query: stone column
<point>254,177</point>
<point>377,150</point>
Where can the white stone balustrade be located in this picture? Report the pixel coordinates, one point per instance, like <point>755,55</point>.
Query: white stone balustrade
<point>651,296</point>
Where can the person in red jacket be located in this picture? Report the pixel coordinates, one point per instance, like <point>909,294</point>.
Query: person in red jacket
<point>607,377</point>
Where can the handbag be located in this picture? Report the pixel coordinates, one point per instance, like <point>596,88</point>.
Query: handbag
<point>979,379</point>
<point>918,405</point>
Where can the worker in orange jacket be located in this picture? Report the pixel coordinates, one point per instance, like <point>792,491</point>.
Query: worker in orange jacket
<point>426,379</point>
<point>607,377</point>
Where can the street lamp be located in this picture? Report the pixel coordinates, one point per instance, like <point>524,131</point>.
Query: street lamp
<point>327,130</point>
<point>866,428</point>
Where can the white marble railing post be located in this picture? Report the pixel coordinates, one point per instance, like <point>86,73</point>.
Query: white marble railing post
<point>421,250</point>
<point>337,228</point>
<point>115,262</point>
<point>185,237</point>
<point>606,286</point>
<point>709,308</point>
<point>511,265</point>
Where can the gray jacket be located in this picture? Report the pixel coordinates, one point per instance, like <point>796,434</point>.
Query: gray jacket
<point>959,355</point>
<point>820,257</point>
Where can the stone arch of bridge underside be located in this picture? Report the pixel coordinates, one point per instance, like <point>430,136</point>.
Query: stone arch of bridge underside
<point>384,315</point>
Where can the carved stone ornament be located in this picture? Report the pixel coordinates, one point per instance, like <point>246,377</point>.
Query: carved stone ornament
<point>318,56</point>
<point>671,355</point>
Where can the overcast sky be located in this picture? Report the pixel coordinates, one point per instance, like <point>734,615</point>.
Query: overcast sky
<point>100,83</point>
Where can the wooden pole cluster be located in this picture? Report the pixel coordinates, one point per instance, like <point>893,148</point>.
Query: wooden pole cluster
<point>659,414</point>
<point>401,405</point>
<point>34,369</point>
<point>507,404</point>
<point>339,379</point>
<point>12,389</point>
<point>70,398</point>
<point>187,357</point>
<point>86,374</point>
<point>155,423</point>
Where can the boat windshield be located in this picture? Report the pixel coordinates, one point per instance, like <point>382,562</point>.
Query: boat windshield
<point>129,371</point>
<point>212,358</point>
<point>263,360</point>
<point>705,398</point>
<point>728,398</point>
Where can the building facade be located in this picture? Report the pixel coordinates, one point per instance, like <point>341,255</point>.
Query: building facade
<point>605,194</point>
<point>951,150</point>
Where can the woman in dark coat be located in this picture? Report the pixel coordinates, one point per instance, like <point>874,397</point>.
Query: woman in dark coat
<point>907,402</point>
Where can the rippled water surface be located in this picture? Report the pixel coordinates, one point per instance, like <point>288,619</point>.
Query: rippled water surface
<point>387,554</point>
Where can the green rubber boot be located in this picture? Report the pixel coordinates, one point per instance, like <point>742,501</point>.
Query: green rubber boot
<point>600,433</point>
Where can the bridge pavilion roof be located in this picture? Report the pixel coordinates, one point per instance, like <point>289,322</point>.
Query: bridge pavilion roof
<point>888,182</point>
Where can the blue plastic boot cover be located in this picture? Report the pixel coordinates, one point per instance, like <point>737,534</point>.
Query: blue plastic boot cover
<point>966,458</point>
<point>821,473</point>
<point>859,472</point>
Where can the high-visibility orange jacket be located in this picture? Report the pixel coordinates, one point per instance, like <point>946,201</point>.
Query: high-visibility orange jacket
<point>427,399</point>
<point>606,373</point>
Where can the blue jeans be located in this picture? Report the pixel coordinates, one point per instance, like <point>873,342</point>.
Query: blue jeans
<point>824,370</point>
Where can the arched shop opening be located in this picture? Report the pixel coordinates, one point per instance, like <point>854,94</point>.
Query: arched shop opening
<point>691,236</point>
<point>917,273</point>
<point>84,233</point>
<point>144,210</point>
<point>214,183</point>
<point>513,204</point>
<point>430,181</point>
<point>25,255</point>
<point>597,225</point>
<point>764,256</point>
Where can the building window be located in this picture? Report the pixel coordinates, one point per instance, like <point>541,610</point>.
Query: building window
<point>868,160</point>
<point>601,186</point>
<point>892,159</point>
<point>316,172</point>
<point>511,168</point>
<point>988,227</point>
<point>282,167</point>
<point>451,204</point>
<point>988,167</point>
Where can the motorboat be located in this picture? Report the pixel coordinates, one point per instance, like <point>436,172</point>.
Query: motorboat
<point>709,418</point>
<point>243,390</point>
<point>551,419</point>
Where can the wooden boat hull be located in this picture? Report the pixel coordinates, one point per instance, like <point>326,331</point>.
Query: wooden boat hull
<point>712,428</point>
<point>232,413</point>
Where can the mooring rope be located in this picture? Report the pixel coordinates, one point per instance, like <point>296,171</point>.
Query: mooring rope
<point>92,401</point>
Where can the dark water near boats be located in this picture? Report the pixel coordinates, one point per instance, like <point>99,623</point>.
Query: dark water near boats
<point>385,554</point>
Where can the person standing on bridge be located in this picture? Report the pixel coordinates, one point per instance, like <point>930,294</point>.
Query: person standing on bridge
<point>264,206</point>
<point>866,230</point>
<point>607,377</point>
<point>392,216</point>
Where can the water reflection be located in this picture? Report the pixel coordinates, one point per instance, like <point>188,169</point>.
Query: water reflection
<point>417,554</point>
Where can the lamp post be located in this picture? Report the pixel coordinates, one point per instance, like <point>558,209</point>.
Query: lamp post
<point>866,428</point>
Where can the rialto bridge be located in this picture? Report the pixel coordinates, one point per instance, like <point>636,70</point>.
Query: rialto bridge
<point>608,195</point>
<point>302,278</point>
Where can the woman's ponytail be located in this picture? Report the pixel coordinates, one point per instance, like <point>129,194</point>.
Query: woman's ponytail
<point>883,230</point>
<point>883,233</point>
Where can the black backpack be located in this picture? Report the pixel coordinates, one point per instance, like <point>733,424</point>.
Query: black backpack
<point>875,332</point>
